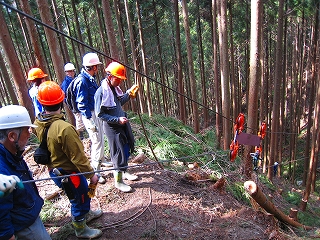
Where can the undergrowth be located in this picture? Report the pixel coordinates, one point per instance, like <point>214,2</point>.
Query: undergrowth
<point>175,145</point>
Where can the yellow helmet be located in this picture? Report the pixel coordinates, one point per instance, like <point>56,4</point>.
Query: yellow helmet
<point>117,70</point>
<point>35,73</point>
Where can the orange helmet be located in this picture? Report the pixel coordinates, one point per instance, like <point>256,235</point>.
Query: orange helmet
<point>35,73</point>
<point>117,70</point>
<point>50,93</point>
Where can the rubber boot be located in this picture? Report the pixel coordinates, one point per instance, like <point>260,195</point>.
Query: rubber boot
<point>118,182</point>
<point>93,215</point>
<point>83,231</point>
<point>129,176</point>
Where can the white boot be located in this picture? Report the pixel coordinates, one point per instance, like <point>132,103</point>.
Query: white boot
<point>129,176</point>
<point>118,182</point>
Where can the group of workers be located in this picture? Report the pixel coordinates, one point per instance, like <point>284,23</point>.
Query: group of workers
<point>99,111</point>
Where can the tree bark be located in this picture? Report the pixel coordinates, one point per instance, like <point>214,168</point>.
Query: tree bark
<point>195,114</point>
<point>276,97</point>
<point>224,66</point>
<point>217,81</point>
<point>182,103</point>
<point>53,44</point>
<point>114,52</point>
<point>15,68</point>
<point>254,78</point>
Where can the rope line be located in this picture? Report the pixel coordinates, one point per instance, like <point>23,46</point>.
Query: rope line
<point>111,169</point>
<point>142,74</point>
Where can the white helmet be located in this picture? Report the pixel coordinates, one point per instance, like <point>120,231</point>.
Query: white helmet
<point>69,67</point>
<point>90,59</point>
<point>14,116</point>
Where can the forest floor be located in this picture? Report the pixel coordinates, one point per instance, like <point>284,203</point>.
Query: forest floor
<point>167,205</point>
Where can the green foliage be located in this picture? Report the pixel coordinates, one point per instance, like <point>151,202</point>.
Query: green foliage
<point>266,182</point>
<point>309,219</point>
<point>169,137</point>
<point>48,212</point>
<point>238,191</point>
<point>292,197</point>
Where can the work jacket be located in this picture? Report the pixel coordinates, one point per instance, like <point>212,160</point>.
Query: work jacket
<point>64,144</point>
<point>84,89</point>
<point>110,117</point>
<point>20,208</point>
<point>65,84</point>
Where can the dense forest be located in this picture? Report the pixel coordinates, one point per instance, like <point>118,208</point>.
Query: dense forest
<point>202,62</point>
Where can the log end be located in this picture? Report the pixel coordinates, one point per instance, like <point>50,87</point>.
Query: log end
<point>250,187</point>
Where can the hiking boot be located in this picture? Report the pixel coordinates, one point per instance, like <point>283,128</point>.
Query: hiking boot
<point>93,215</point>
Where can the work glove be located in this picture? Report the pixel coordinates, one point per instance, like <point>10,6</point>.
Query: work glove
<point>92,126</point>
<point>133,90</point>
<point>9,183</point>
<point>93,185</point>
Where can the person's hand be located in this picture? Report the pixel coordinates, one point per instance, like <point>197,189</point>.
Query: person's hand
<point>123,120</point>
<point>133,90</point>
<point>92,126</point>
<point>9,183</point>
<point>94,179</point>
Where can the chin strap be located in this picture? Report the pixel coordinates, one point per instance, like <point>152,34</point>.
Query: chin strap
<point>19,151</point>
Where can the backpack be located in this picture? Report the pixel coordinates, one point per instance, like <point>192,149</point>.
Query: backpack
<point>70,98</point>
<point>42,154</point>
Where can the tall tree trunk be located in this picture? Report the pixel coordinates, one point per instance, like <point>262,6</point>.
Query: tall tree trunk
<point>62,39</point>
<point>143,57</point>
<point>224,66</point>
<point>103,38</point>
<point>114,52</point>
<point>276,96</point>
<point>133,50</point>
<point>254,78</point>
<point>201,60</point>
<point>8,85</point>
<point>195,115</point>
<point>53,44</point>
<point>217,81</point>
<point>15,68</point>
<point>182,103</point>
<point>310,186</point>
<point>77,27</point>
<point>35,39</point>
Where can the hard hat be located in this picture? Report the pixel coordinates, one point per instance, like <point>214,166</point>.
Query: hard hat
<point>14,116</point>
<point>69,67</point>
<point>50,93</point>
<point>35,73</point>
<point>90,59</point>
<point>117,70</point>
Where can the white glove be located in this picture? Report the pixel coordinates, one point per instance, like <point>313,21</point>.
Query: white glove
<point>9,183</point>
<point>92,126</point>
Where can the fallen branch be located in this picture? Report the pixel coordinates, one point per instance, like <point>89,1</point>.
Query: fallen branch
<point>255,192</point>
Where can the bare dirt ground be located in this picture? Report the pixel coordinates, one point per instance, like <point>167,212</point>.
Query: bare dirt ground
<point>163,205</point>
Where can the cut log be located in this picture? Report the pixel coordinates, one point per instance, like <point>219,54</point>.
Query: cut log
<point>293,214</point>
<point>254,191</point>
